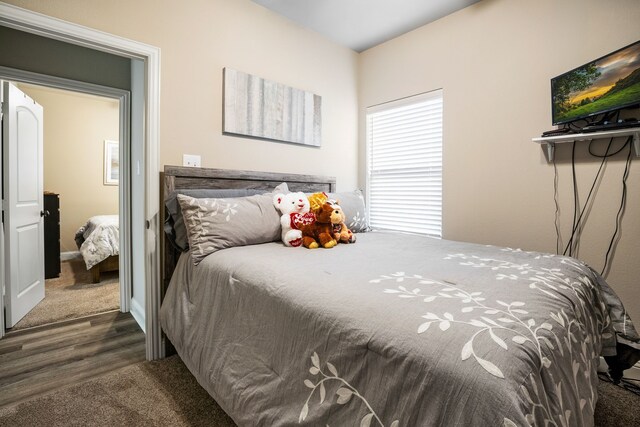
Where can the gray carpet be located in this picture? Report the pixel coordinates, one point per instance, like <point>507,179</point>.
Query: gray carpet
<point>72,295</point>
<point>164,393</point>
<point>616,407</point>
<point>161,393</point>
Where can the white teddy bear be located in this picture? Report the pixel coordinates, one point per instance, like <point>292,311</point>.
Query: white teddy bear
<point>294,208</point>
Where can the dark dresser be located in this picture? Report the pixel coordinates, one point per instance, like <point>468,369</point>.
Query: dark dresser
<point>51,235</point>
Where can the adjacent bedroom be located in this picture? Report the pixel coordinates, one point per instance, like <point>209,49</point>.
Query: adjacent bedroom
<point>80,157</point>
<point>332,213</point>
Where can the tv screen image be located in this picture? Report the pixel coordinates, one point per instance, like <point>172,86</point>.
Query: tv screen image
<point>607,84</point>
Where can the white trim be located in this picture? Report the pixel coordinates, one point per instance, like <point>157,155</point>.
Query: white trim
<point>407,100</point>
<point>53,28</point>
<point>70,255</point>
<point>61,83</point>
<point>633,372</point>
<point>36,23</point>
<point>2,280</point>
<point>138,313</point>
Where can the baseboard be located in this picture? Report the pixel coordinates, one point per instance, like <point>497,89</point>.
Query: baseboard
<point>634,372</point>
<point>138,313</point>
<point>71,255</point>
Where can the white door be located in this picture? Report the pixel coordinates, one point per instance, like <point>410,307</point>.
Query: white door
<point>23,203</point>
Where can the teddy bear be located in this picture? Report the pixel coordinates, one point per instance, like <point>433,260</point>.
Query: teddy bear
<point>341,232</point>
<point>320,232</point>
<point>294,209</point>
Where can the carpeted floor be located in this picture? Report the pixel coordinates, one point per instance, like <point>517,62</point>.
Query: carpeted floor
<point>616,407</point>
<point>160,393</point>
<point>164,393</point>
<point>72,295</point>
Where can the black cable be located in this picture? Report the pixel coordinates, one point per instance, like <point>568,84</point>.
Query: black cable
<point>623,202</point>
<point>627,141</point>
<point>576,231</point>
<point>575,199</point>
<point>555,200</point>
<point>572,125</point>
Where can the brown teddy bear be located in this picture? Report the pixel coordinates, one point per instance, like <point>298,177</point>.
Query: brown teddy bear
<point>320,233</point>
<point>340,231</point>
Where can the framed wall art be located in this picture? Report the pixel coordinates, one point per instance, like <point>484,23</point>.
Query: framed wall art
<point>111,162</point>
<point>260,108</point>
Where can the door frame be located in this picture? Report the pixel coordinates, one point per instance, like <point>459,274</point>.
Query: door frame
<point>124,199</point>
<point>145,131</point>
<point>1,227</point>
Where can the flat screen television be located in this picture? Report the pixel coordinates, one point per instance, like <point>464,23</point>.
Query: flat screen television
<point>606,84</point>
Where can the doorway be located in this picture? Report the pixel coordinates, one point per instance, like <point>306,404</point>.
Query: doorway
<point>123,193</point>
<point>81,205</point>
<point>143,120</point>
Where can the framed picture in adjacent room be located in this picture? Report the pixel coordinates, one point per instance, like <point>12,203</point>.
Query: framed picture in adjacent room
<point>111,163</point>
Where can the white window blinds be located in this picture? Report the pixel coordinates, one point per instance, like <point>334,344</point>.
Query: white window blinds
<point>404,164</point>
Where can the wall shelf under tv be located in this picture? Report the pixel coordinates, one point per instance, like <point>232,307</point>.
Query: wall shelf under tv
<point>551,141</point>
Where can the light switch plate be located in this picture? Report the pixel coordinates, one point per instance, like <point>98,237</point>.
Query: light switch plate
<point>192,160</point>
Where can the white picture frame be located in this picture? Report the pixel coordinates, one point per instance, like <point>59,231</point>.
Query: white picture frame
<point>111,163</point>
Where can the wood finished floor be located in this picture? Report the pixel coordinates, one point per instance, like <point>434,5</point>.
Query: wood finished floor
<point>41,359</point>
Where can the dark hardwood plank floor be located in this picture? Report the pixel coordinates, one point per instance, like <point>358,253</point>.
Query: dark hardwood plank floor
<point>38,360</point>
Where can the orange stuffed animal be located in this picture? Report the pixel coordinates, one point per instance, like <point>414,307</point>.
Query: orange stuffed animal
<point>320,233</point>
<point>340,230</point>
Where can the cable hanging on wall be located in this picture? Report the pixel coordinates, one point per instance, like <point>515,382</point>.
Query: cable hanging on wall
<point>581,213</point>
<point>623,202</point>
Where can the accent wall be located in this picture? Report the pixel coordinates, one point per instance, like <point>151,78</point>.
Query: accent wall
<point>494,61</point>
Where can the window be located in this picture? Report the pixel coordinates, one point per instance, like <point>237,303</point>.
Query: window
<point>404,164</point>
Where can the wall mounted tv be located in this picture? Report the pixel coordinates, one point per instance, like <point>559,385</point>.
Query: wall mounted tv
<point>607,84</point>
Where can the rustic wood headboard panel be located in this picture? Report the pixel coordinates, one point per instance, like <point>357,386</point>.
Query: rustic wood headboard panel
<point>176,178</point>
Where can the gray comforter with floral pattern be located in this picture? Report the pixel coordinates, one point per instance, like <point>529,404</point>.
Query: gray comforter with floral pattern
<point>395,330</point>
<point>98,239</point>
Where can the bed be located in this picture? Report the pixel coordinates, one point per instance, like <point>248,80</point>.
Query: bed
<point>394,330</point>
<point>99,243</point>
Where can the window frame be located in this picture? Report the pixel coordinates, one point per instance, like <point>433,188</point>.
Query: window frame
<point>390,105</point>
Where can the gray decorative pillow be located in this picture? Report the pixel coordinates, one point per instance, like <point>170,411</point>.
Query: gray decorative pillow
<point>352,204</point>
<point>174,224</point>
<point>214,224</point>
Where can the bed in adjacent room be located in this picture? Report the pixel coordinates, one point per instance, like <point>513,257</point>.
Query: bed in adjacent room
<point>394,330</point>
<point>99,243</point>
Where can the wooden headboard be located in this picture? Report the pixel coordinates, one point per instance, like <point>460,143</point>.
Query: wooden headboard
<point>176,178</point>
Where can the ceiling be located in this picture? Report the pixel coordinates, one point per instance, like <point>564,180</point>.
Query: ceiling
<point>361,24</point>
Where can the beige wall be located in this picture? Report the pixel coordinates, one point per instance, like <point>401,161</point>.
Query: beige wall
<point>197,39</point>
<point>494,61</point>
<point>75,127</point>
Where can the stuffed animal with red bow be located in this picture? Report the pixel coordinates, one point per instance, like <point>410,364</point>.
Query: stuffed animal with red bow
<point>321,232</point>
<point>341,232</point>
